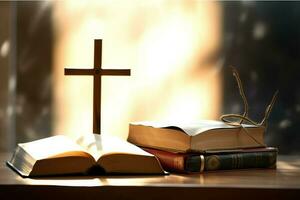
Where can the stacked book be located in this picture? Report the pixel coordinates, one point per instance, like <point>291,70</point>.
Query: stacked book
<point>204,146</point>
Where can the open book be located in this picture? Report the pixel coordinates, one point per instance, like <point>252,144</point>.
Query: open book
<point>195,137</point>
<point>59,155</point>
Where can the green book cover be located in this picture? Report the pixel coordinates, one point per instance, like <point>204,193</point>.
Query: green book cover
<point>225,161</point>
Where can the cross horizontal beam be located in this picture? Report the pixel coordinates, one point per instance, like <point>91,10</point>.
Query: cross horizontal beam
<point>79,71</point>
<point>103,72</point>
<point>115,72</point>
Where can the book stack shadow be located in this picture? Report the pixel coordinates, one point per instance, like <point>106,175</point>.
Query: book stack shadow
<point>204,146</point>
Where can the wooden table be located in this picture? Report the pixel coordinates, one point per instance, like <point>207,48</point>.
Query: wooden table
<point>282,183</point>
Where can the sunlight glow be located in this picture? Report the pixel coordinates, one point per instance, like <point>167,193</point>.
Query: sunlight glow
<point>166,46</point>
<point>4,49</point>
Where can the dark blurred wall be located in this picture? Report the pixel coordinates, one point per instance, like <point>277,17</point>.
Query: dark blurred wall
<point>34,62</point>
<point>26,41</point>
<point>262,40</point>
<point>25,72</point>
<point>4,72</point>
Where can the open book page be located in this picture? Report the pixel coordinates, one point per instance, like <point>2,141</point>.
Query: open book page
<point>191,128</point>
<point>52,147</point>
<point>98,145</point>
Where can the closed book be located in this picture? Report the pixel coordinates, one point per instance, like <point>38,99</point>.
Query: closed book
<point>195,137</point>
<point>216,160</point>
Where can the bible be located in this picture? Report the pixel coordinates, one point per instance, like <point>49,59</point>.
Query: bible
<point>59,155</point>
<point>195,137</point>
<point>216,160</point>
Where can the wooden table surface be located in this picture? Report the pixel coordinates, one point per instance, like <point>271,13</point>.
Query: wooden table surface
<point>280,183</point>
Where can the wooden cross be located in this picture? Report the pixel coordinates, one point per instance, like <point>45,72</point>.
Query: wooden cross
<point>97,72</point>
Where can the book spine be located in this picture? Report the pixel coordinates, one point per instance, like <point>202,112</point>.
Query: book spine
<point>232,161</point>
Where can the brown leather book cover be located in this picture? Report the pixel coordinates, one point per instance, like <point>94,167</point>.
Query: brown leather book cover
<point>172,162</point>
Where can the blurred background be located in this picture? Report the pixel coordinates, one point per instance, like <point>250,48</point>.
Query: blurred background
<point>179,53</point>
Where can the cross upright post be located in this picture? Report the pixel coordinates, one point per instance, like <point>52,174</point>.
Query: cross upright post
<point>97,72</point>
